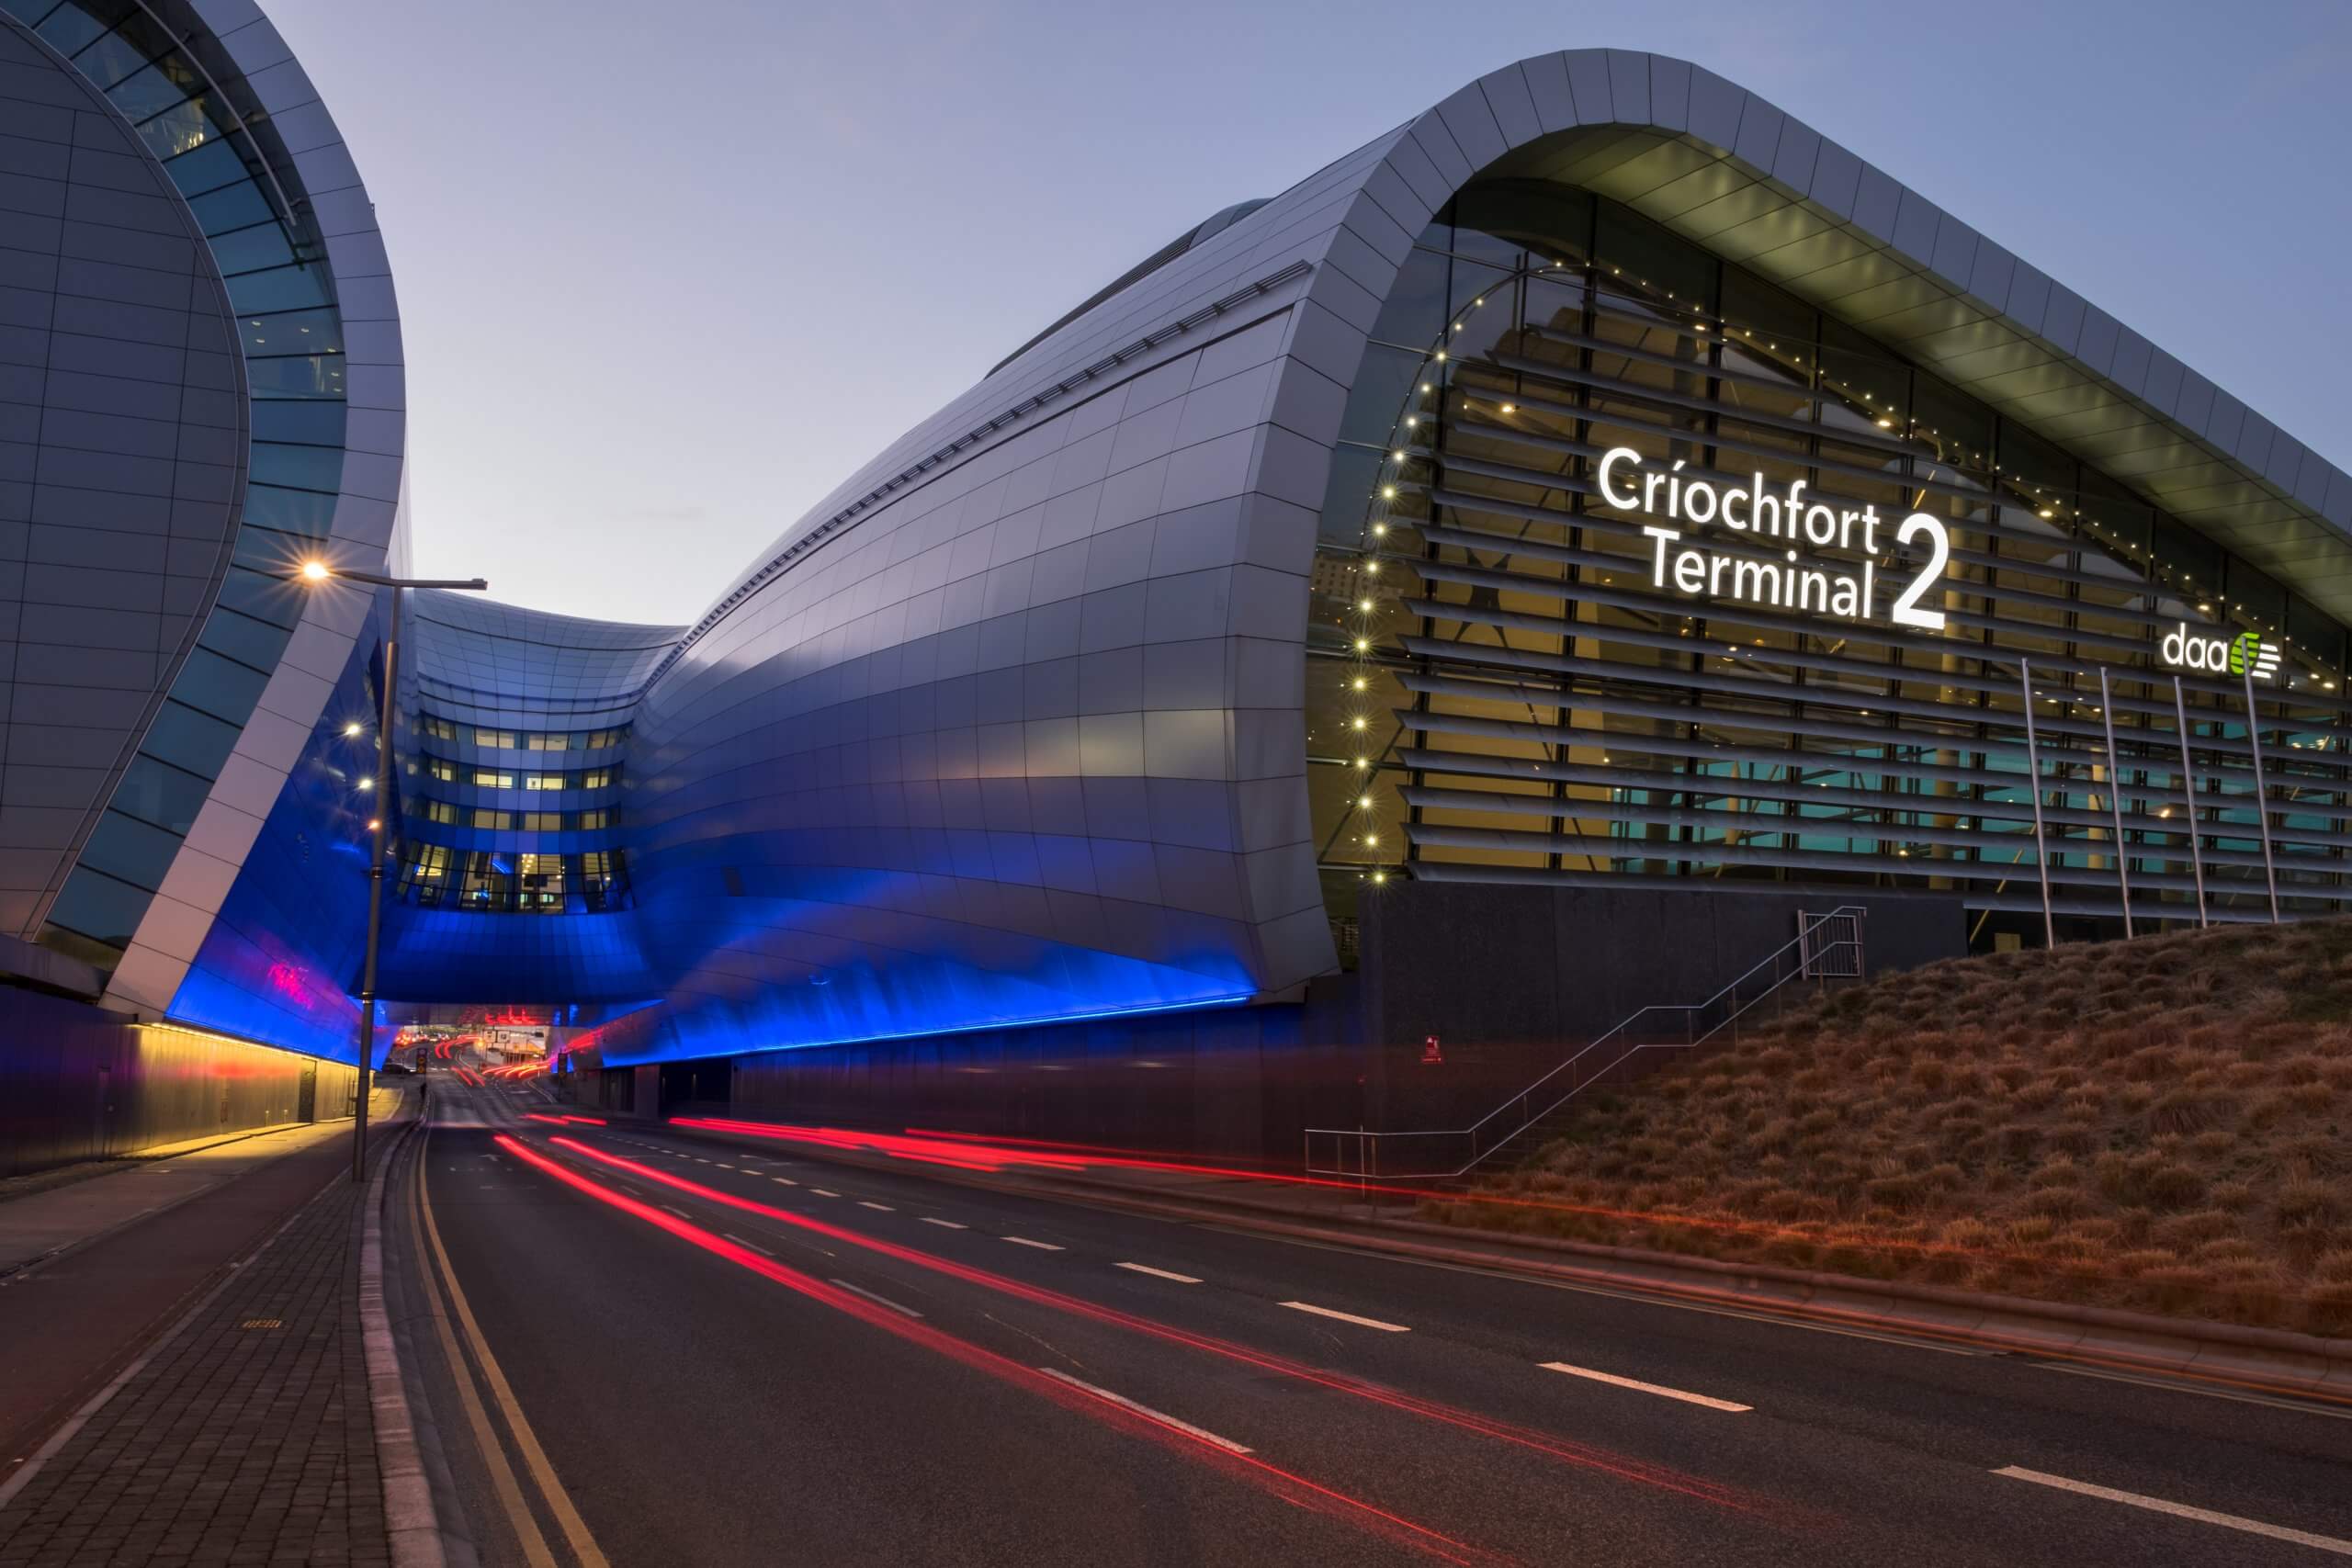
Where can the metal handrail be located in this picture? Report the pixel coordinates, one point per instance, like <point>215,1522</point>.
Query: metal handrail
<point>1809,960</point>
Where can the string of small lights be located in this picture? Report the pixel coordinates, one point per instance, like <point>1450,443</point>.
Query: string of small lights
<point>1418,439</point>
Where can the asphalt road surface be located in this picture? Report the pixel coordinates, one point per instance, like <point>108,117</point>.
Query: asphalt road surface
<point>661,1350</point>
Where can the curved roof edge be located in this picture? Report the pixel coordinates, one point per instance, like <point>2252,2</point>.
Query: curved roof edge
<point>1349,226</point>
<point>1510,108</point>
<point>368,511</point>
<point>1922,280</point>
<point>1223,218</point>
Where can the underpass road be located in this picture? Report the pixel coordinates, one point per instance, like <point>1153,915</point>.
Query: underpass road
<point>739,1356</point>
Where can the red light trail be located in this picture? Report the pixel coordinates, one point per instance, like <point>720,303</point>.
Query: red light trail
<point>993,1155</point>
<point>1578,1454</point>
<point>1272,1478</point>
<point>965,1152</point>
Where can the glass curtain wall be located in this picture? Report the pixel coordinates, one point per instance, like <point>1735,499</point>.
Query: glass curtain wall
<point>495,834</point>
<point>1499,689</point>
<point>283,295</point>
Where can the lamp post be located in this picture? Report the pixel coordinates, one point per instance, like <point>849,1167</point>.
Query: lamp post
<point>316,572</point>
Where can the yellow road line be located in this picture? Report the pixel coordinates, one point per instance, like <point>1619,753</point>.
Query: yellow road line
<point>501,1474</point>
<point>558,1501</point>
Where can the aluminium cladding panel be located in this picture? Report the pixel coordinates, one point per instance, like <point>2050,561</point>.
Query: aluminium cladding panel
<point>122,442</point>
<point>513,959</point>
<point>474,661</point>
<point>1026,743</point>
<point>278,960</point>
<point>366,519</point>
<point>1061,771</point>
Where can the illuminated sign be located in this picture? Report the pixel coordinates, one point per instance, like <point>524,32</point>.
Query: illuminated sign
<point>1801,579</point>
<point>2244,654</point>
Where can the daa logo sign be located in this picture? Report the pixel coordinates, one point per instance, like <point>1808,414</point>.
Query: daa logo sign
<point>2243,654</point>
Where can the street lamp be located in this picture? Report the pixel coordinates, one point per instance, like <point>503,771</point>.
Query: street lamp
<point>316,571</point>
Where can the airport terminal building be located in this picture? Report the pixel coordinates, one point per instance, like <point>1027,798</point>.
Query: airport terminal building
<point>1578,531</point>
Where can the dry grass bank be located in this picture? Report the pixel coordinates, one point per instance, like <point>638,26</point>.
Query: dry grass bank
<point>2164,1124</point>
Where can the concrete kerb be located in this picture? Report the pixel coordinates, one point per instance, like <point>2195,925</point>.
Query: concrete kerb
<point>411,1519</point>
<point>2260,1359</point>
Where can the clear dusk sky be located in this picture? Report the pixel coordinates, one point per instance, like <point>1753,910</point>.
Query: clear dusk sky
<point>668,272</point>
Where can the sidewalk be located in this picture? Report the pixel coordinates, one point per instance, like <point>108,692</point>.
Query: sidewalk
<point>40,1224</point>
<point>245,1434</point>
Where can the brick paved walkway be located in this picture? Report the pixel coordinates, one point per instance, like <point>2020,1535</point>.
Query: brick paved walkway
<point>246,1439</point>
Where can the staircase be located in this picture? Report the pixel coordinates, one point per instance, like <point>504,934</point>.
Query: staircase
<point>1827,947</point>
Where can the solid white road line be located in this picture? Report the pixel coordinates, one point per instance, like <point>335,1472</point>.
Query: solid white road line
<point>1227,1444</point>
<point>2170,1387</point>
<point>885,1301</point>
<point>1663,1392</point>
<point>1346,1317</point>
<point>1024,1241</point>
<point>754,1246</point>
<point>2181,1510</point>
<point>886,1208</point>
<point>944,1225</point>
<point>1157,1274</point>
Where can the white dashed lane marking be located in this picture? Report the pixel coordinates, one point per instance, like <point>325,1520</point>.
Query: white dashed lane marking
<point>1348,1317</point>
<point>885,1301</point>
<point>867,1203</point>
<point>1663,1392</point>
<point>1024,1241</point>
<point>1227,1444</point>
<point>1157,1274</point>
<point>2181,1510</point>
<point>824,1192</point>
<point>944,1225</point>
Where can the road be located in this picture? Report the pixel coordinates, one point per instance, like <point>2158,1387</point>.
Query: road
<point>710,1356</point>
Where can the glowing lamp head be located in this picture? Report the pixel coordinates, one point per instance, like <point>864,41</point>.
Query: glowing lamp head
<point>316,571</point>
<point>351,729</point>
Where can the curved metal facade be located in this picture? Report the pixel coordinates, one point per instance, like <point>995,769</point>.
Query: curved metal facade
<point>513,877</point>
<point>224,323</point>
<point>1032,687</point>
<point>1025,722</point>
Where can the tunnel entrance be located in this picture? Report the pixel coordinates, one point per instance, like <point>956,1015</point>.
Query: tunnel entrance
<point>691,1088</point>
